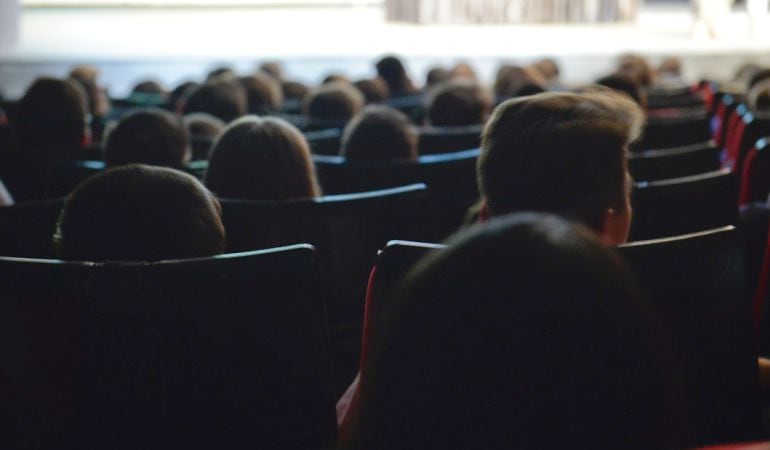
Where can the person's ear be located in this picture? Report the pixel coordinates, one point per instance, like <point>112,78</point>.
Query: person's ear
<point>616,225</point>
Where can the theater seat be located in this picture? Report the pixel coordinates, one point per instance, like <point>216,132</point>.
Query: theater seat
<point>675,131</point>
<point>674,162</point>
<point>221,352</point>
<point>347,231</point>
<point>450,177</point>
<point>755,174</point>
<point>699,284</point>
<point>27,228</point>
<point>684,205</point>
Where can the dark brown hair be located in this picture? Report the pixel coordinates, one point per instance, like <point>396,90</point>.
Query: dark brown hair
<point>563,153</point>
<point>261,159</point>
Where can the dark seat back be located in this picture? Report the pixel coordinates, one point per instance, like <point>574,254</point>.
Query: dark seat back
<point>347,230</point>
<point>27,228</point>
<point>684,205</point>
<point>221,352</point>
<point>450,177</point>
<point>674,162</point>
<point>699,284</point>
<point>674,131</point>
<point>66,175</point>
<point>449,139</point>
<point>755,174</point>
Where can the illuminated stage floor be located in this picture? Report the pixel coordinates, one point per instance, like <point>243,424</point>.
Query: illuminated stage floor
<point>177,44</point>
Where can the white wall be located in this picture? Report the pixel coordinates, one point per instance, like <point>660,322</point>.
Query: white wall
<point>9,25</point>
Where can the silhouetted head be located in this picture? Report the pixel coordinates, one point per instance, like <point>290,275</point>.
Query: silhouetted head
<point>149,87</point>
<point>179,95</point>
<point>261,159</point>
<point>625,85</point>
<point>524,333</point>
<point>638,68</point>
<point>50,120</point>
<point>263,93</point>
<point>97,99</point>
<point>336,101</point>
<point>463,70</point>
<point>379,133</point>
<point>458,102</point>
<point>375,90</point>
<point>392,70</point>
<point>517,81</point>
<point>223,99</point>
<point>140,213</point>
<point>548,69</point>
<point>294,90</point>
<point>562,153</point>
<point>273,69</point>
<point>758,77</point>
<point>203,130</point>
<point>436,75</point>
<point>758,98</point>
<point>149,136</point>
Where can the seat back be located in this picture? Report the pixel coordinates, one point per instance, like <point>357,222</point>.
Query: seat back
<point>698,282</point>
<point>755,174</point>
<point>675,131</point>
<point>684,205</point>
<point>27,228</point>
<point>66,175</point>
<point>221,352</point>
<point>674,162</point>
<point>449,139</point>
<point>324,142</point>
<point>347,231</point>
<point>450,177</point>
<point>751,127</point>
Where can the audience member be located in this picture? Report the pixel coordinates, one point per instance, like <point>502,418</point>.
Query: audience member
<point>375,90</point>
<point>203,130</point>
<point>49,125</point>
<point>263,93</point>
<point>334,78</point>
<point>150,136</point>
<point>523,333</point>
<point>638,68</point>
<point>294,90</point>
<point>562,153</point>
<point>140,213</point>
<point>758,98</point>
<point>333,102</point>
<point>97,99</point>
<point>379,133</point>
<point>273,69</point>
<point>548,69</point>
<point>262,159</point>
<point>225,100</point>
<point>515,81</point>
<point>150,87</point>
<point>178,96</point>
<point>436,75</point>
<point>392,70</point>
<point>625,85</point>
<point>463,70</point>
<point>222,73</point>
<point>458,102</point>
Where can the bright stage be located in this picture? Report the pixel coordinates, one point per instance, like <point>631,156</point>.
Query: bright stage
<point>174,44</point>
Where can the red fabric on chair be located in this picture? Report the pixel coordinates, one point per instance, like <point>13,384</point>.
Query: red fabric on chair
<point>762,288</point>
<point>744,195</point>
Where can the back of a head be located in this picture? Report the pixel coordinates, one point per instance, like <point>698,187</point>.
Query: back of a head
<point>96,98</point>
<point>517,81</point>
<point>336,101</point>
<point>263,93</point>
<point>203,130</point>
<point>375,90</point>
<point>523,333</point>
<point>758,98</point>
<point>392,70</point>
<point>379,133</point>
<point>437,75</point>
<point>140,213</point>
<point>563,153</point>
<point>223,99</point>
<point>459,102</point>
<point>758,77</point>
<point>150,136</point>
<point>636,67</point>
<point>51,118</point>
<point>625,85</point>
<point>261,159</point>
